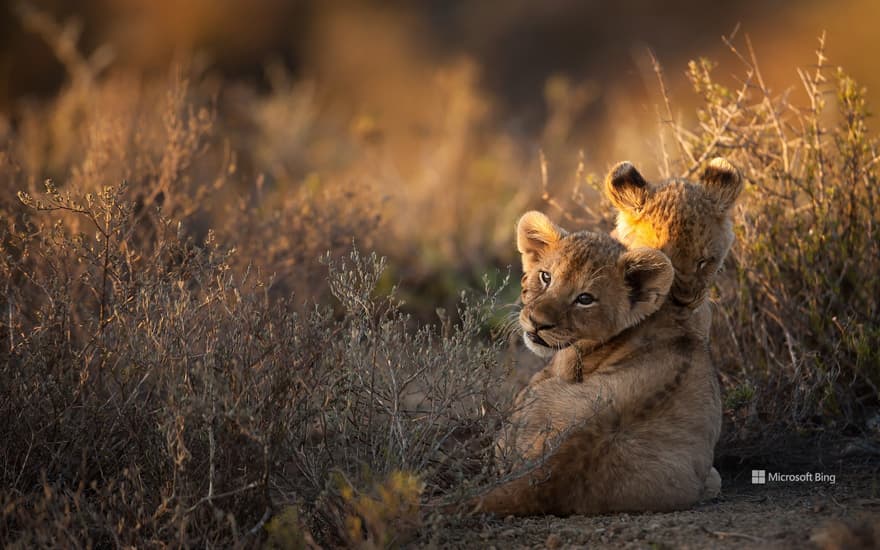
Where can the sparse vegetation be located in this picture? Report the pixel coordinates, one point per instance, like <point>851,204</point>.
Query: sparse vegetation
<point>178,368</point>
<point>797,308</point>
<point>155,393</point>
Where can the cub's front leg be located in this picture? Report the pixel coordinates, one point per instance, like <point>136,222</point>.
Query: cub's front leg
<point>571,364</point>
<point>550,408</point>
<point>560,367</point>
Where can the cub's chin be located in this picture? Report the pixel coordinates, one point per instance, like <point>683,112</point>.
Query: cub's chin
<point>538,349</point>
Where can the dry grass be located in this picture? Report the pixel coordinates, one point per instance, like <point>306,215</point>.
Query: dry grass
<point>185,362</point>
<point>157,394</point>
<point>178,368</point>
<point>799,308</point>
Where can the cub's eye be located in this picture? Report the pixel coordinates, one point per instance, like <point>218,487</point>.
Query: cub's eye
<point>545,277</point>
<point>703,263</point>
<point>584,299</point>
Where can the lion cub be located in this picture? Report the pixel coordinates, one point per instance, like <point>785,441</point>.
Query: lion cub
<point>639,432</point>
<point>690,222</point>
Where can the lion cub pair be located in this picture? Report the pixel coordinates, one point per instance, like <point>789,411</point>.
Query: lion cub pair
<point>626,415</point>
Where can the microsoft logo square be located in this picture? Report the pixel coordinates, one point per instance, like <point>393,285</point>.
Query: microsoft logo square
<point>759,477</point>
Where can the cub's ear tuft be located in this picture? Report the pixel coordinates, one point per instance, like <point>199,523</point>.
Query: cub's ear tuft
<point>648,274</point>
<point>626,188</point>
<point>535,234</point>
<point>723,181</point>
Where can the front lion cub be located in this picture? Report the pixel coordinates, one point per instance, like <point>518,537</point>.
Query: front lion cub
<point>639,432</point>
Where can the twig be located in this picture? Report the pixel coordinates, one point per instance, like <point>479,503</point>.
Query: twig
<point>725,126</point>
<point>102,314</point>
<point>256,528</point>
<point>211,446</point>
<point>24,462</point>
<point>9,326</point>
<point>664,92</point>
<point>205,499</point>
<point>811,85</point>
<point>662,134</point>
<point>719,132</point>
<point>779,130</point>
<point>549,199</point>
<point>732,534</point>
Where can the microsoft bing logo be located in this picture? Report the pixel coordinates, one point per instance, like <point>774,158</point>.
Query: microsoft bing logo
<point>761,477</point>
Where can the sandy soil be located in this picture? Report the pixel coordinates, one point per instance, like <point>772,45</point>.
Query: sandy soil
<point>774,515</point>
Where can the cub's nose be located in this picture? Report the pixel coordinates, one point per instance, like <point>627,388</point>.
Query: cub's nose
<point>538,326</point>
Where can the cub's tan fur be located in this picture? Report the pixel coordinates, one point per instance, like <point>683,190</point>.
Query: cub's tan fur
<point>689,221</point>
<point>626,422</point>
<point>638,433</point>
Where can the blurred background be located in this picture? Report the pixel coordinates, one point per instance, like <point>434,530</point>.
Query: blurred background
<point>381,56</point>
<point>415,126</point>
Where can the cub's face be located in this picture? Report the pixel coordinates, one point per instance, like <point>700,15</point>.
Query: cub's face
<point>584,287</point>
<point>690,222</point>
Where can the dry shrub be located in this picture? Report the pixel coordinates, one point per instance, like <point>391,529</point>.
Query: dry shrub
<point>161,381</point>
<point>798,306</point>
<point>157,394</point>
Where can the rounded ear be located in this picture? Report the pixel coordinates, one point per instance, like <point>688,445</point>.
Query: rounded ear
<point>626,188</point>
<point>723,181</point>
<point>648,274</point>
<point>535,234</point>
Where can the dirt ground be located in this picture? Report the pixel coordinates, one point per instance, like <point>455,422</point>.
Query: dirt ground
<point>777,514</point>
<point>773,515</point>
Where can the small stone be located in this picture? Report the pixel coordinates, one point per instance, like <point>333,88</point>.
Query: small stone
<point>553,541</point>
